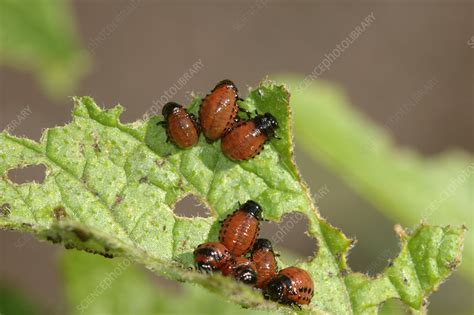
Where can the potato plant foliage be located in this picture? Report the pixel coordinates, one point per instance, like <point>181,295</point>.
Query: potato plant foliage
<point>110,188</point>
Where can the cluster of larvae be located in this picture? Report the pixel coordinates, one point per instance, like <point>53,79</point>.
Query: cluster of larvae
<point>239,254</point>
<point>218,119</point>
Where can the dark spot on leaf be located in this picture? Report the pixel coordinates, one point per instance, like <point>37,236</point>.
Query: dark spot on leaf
<point>164,228</point>
<point>59,213</point>
<point>160,162</point>
<point>5,210</point>
<point>453,264</point>
<point>96,146</point>
<point>118,200</point>
<point>106,255</point>
<point>143,180</point>
<point>54,238</point>
<point>81,234</point>
<point>180,184</point>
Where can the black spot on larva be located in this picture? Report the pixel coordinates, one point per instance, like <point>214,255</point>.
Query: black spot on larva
<point>81,234</point>
<point>344,272</point>
<point>143,180</point>
<point>5,210</point>
<point>164,228</point>
<point>59,213</point>
<point>26,225</point>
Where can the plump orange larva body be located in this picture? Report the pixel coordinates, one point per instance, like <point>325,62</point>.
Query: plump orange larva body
<point>209,257</point>
<point>239,229</point>
<point>181,127</point>
<point>219,110</point>
<point>265,262</point>
<point>247,138</point>
<point>291,285</point>
<point>242,269</point>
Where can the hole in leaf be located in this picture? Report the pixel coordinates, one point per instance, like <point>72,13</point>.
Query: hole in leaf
<point>191,207</point>
<point>290,239</point>
<point>31,173</point>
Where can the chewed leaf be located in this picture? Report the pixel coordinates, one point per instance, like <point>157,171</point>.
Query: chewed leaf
<point>427,257</point>
<point>111,188</point>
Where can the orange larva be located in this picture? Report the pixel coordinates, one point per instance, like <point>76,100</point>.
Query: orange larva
<point>241,269</point>
<point>209,257</point>
<point>291,285</point>
<point>239,229</point>
<point>247,138</point>
<point>219,110</point>
<point>181,127</point>
<point>265,262</point>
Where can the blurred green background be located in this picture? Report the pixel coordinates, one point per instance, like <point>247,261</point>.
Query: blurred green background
<point>385,134</point>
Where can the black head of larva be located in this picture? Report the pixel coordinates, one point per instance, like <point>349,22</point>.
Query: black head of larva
<point>267,123</point>
<point>204,267</point>
<point>262,243</point>
<point>275,289</point>
<point>227,83</point>
<point>246,275</point>
<point>169,108</point>
<point>253,208</point>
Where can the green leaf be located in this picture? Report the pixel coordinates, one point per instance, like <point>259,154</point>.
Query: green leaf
<point>39,36</point>
<point>402,184</point>
<point>110,188</point>
<point>95,285</point>
<point>13,301</point>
